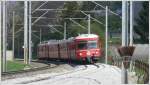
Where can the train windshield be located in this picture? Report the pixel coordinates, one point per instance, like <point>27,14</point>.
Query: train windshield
<point>87,45</point>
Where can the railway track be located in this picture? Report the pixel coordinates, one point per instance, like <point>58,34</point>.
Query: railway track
<point>33,71</point>
<point>50,77</point>
<point>21,73</point>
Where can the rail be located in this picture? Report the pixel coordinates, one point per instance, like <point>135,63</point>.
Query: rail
<point>13,74</point>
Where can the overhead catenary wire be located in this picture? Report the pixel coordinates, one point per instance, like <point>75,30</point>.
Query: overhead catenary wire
<point>77,23</point>
<point>93,18</point>
<point>105,8</point>
<point>39,7</point>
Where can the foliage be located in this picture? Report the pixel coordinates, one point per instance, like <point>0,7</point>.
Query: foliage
<point>69,11</point>
<point>114,23</point>
<point>15,66</point>
<point>142,26</point>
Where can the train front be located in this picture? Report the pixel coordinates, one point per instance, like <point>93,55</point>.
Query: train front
<point>87,47</point>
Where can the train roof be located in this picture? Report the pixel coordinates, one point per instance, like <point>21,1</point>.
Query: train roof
<point>56,41</point>
<point>49,42</point>
<point>83,36</point>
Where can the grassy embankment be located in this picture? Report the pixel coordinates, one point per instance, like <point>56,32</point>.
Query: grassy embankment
<point>15,65</point>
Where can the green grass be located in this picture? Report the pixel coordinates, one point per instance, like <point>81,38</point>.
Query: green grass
<point>15,66</point>
<point>139,72</point>
<point>115,41</point>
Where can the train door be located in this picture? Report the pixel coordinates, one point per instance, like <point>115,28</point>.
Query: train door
<point>72,50</point>
<point>58,48</point>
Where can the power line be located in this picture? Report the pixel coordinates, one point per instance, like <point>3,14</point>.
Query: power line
<point>77,23</point>
<point>105,8</point>
<point>40,6</point>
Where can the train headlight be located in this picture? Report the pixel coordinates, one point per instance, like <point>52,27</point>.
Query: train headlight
<point>96,52</point>
<point>80,54</point>
<point>88,52</point>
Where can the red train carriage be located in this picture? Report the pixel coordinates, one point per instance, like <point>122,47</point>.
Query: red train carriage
<point>63,49</point>
<point>82,47</point>
<point>53,49</point>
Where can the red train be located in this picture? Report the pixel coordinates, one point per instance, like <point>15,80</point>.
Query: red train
<point>85,47</point>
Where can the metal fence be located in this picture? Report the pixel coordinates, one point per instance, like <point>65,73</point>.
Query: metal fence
<point>137,64</point>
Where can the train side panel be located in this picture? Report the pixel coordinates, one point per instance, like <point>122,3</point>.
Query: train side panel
<point>72,50</point>
<point>63,51</point>
<point>53,51</point>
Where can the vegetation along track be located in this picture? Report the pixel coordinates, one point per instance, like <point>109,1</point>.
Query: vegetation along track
<point>145,68</point>
<point>14,74</point>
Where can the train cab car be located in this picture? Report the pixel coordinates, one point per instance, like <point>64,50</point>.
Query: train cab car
<point>87,47</point>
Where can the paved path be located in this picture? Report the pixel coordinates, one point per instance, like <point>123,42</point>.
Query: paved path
<point>81,75</point>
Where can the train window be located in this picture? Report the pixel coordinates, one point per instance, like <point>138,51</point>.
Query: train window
<point>82,45</point>
<point>92,44</point>
<point>87,45</point>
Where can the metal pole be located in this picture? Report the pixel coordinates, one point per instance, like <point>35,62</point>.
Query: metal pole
<point>92,18</point>
<point>4,36</point>
<point>106,34</point>
<point>127,23</point>
<point>13,36</point>
<point>149,28</point>
<point>64,30</point>
<point>89,23</point>
<point>30,33</point>
<point>40,35</point>
<point>124,23</point>
<point>18,47</point>
<point>131,23</point>
<point>124,38</point>
<point>0,32</point>
<point>25,32</point>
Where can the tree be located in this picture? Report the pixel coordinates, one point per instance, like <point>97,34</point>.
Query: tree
<point>142,26</point>
<point>70,11</point>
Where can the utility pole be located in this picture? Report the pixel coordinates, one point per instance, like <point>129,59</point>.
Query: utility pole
<point>64,30</point>
<point>13,36</point>
<point>127,23</point>
<point>106,34</point>
<point>131,23</point>
<point>124,74</point>
<point>4,36</point>
<point>40,35</point>
<point>30,33</point>
<point>124,23</point>
<point>25,32</point>
<point>0,32</point>
<point>149,25</point>
<point>89,23</point>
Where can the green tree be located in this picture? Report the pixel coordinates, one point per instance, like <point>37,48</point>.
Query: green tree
<point>142,26</point>
<point>70,10</point>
